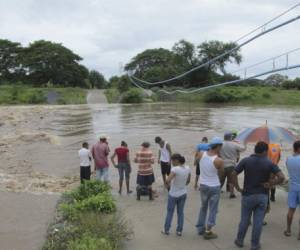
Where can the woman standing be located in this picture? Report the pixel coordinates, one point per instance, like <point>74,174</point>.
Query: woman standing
<point>123,165</point>
<point>177,181</point>
<point>145,177</point>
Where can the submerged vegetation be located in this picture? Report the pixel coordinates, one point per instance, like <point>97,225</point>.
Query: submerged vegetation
<point>87,219</point>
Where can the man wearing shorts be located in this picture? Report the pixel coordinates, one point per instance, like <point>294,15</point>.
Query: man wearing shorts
<point>230,153</point>
<point>123,166</point>
<point>164,157</point>
<point>293,166</point>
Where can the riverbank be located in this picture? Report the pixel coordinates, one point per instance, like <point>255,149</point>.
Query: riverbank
<point>39,146</point>
<point>239,95</point>
<point>231,95</point>
<point>22,94</point>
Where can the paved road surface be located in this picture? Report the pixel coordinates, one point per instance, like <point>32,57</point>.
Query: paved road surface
<point>147,221</point>
<point>96,96</point>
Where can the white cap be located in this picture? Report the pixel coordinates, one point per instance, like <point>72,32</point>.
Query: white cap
<point>103,136</point>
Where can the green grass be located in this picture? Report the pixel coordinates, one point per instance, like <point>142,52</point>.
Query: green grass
<point>86,218</point>
<point>22,94</point>
<point>112,95</point>
<point>256,95</point>
<point>71,95</point>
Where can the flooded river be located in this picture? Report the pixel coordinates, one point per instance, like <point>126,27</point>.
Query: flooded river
<point>39,144</point>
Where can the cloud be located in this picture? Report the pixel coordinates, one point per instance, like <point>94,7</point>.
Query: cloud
<point>107,33</point>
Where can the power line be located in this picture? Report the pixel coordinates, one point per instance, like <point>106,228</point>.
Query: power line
<point>230,82</point>
<point>225,53</point>
<point>270,21</point>
<point>286,54</point>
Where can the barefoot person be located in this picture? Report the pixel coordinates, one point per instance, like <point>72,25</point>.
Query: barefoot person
<point>145,177</point>
<point>203,146</point>
<point>100,152</point>
<point>177,182</point>
<point>210,188</point>
<point>257,172</point>
<point>164,157</point>
<point>85,162</point>
<point>293,166</point>
<point>123,165</point>
<point>230,153</point>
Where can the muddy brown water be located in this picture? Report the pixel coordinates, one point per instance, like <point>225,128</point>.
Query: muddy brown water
<point>39,144</point>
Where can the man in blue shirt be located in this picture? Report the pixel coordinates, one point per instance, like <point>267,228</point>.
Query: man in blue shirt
<point>293,167</point>
<point>202,147</point>
<point>257,172</point>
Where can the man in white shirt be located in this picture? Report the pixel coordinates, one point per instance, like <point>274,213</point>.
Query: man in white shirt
<point>164,157</point>
<point>85,162</point>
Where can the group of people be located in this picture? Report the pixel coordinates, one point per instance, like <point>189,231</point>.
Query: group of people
<point>215,161</point>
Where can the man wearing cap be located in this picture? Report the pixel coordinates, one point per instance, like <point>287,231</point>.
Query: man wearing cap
<point>210,188</point>
<point>100,152</point>
<point>230,153</point>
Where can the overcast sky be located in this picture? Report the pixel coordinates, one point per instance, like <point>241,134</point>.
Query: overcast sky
<point>108,33</point>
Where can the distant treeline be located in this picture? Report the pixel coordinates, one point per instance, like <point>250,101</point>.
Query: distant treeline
<point>45,63</point>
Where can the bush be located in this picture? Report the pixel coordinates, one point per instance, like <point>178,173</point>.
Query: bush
<point>87,219</point>
<point>90,196</point>
<point>218,96</point>
<point>291,84</point>
<point>133,95</point>
<point>266,95</point>
<point>36,97</point>
<point>88,189</point>
<point>112,95</point>
<point>88,242</point>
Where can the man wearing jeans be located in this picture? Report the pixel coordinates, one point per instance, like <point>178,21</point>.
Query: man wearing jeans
<point>210,188</point>
<point>100,152</point>
<point>257,181</point>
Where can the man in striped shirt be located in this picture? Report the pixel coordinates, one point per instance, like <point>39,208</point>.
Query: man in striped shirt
<point>144,158</point>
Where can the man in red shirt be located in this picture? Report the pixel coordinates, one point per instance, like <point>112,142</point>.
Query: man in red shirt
<point>123,165</point>
<point>100,152</point>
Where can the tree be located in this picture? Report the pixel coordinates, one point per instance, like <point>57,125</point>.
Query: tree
<point>211,49</point>
<point>10,65</point>
<point>46,62</point>
<point>186,58</point>
<point>97,80</point>
<point>113,82</point>
<point>275,79</point>
<point>185,54</point>
<point>123,84</point>
<point>153,65</point>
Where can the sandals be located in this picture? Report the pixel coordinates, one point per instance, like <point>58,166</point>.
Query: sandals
<point>289,234</point>
<point>165,232</point>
